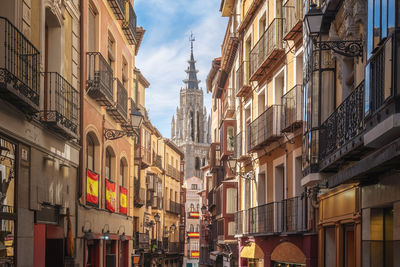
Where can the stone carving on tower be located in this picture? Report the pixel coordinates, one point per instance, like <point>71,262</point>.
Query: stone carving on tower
<point>190,126</point>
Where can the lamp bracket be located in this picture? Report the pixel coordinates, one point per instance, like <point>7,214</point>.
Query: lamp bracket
<point>112,134</point>
<point>347,48</point>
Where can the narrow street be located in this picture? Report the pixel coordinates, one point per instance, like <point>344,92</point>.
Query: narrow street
<point>230,133</point>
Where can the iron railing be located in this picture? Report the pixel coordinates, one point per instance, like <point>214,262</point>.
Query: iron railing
<point>129,25</point>
<point>118,7</point>
<point>377,80</point>
<point>140,194</point>
<point>294,213</point>
<point>61,105</point>
<point>265,128</point>
<point>171,247</point>
<point>239,222</point>
<point>270,41</point>
<point>120,109</point>
<point>229,103</point>
<point>243,77</point>
<point>174,207</point>
<point>99,83</point>
<point>19,68</point>
<point>292,109</point>
<point>261,219</point>
<point>344,124</point>
<point>141,240</point>
<point>293,13</point>
<point>173,172</point>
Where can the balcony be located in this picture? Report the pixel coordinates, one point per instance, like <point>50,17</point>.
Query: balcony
<point>242,79</point>
<point>99,83</point>
<point>294,215</point>
<point>227,137</point>
<point>228,104</point>
<point>261,219</point>
<point>119,111</point>
<point>292,109</point>
<point>19,69</point>
<point>173,172</point>
<point>340,134</point>
<point>156,202</point>
<point>140,195</point>
<point>118,7</point>
<point>215,154</point>
<point>238,146</point>
<point>265,129</point>
<point>143,155</point>
<point>293,13</point>
<point>141,241</point>
<point>174,207</point>
<point>61,105</point>
<point>129,26</point>
<point>171,247</point>
<point>229,48</point>
<point>267,50</point>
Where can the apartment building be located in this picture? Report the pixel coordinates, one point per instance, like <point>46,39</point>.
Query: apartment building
<point>275,222</point>
<point>39,131</point>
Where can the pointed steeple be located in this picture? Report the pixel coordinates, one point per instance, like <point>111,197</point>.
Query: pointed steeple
<point>191,81</point>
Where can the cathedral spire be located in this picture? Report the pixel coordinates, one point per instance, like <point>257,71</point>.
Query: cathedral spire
<point>191,81</point>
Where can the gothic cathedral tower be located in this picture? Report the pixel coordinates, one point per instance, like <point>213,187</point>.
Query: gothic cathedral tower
<point>190,129</point>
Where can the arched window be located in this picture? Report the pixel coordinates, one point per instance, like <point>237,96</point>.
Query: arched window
<point>197,207</point>
<point>191,228</point>
<point>203,163</point>
<point>192,207</point>
<point>110,164</point>
<point>197,228</point>
<point>197,163</point>
<point>90,150</point>
<point>123,173</point>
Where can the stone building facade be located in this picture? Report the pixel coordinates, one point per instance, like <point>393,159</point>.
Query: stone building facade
<point>190,130</point>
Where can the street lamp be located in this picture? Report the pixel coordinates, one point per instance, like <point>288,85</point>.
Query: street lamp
<point>232,165</point>
<point>130,129</point>
<point>173,227</point>
<point>313,20</point>
<point>157,219</point>
<point>204,210</point>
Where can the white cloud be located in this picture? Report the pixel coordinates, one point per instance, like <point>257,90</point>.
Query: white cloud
<point>165,50</point>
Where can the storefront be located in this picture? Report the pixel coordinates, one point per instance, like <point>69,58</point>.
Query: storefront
<point>339,227</point>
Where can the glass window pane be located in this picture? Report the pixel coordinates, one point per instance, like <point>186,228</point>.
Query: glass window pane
<point>7,242</point>
<point>367,90</point>
<point>392,15</point>
<point>377,22</point>
<point>388,70</point>
<point>384,18</point>
<point>370,33</point>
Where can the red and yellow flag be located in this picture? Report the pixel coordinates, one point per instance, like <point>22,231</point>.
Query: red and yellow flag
<point>92,187</point>
<point>195,254</point>
<point>122,200</point>
<point>193,234</point>
<point>194,214</point>
<point>110,195</point>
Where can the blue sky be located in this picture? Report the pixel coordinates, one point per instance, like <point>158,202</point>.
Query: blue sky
<point>165,49</point>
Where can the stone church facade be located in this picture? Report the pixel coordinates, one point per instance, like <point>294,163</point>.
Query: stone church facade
<point>191,128</point>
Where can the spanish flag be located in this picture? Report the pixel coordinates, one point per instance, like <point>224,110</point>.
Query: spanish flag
<point>195,254</point>
<point>194,215</point>
<point>122,200</point>
<point>110,195</point>
<point>92,187</point>
<point>193,234</point>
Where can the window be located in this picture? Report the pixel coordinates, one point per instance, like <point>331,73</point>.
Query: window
<point>125,76</point>
<point>197,163</point>
<point>193,187</point>
<point>109,168</point>
<point>231,200</point>
<point>90,157</point>
<point>191,228</point>
<point>92,28</point>
<point>198,207</point>
<point>123,173</point>
<point>192,207</point>
<point>230,138</point>
<point>111,51</point>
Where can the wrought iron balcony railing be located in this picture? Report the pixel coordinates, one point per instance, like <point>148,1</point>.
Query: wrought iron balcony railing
<point>129,25</point>
<point>99,83</point>
<point>239,222</point>
<point>119,111</point>
<point>174,207</point>
<point>344,124</point>
<point>243,79</point>
<point>141,240</point>
<point>173,172</point>
<point>171,247</point>
<point>118,7</point>
<point>265,128</point>
<point>140,195</point>
<point>19,69</point>
<point>293,13</point>
<point>261,219</point>
<point>294,213</point>
<point>61,105</point>
<point>229,103</point>
<point>266,51</point>
<point>292,109</point>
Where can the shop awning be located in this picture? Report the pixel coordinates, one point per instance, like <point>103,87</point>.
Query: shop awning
<point>288,253</point>
<point>252,251</point>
